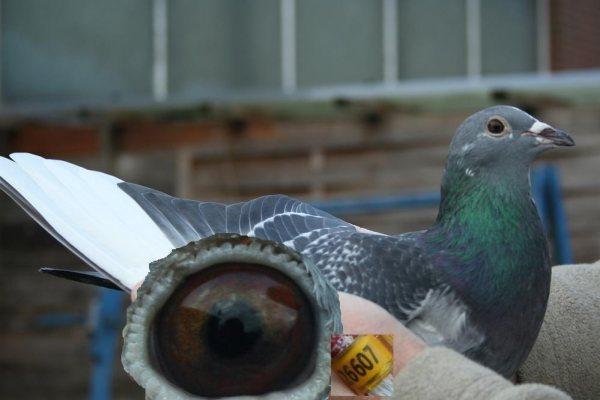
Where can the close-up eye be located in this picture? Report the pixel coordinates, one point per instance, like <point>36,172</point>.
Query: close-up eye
<point>232,321</point>
<point>231,316</point>
<point>496,127</point>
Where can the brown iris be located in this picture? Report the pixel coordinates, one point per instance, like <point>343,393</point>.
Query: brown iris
<point>235,329</point>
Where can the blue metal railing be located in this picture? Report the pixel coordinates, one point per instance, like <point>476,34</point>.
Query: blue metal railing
<point>374,205</point>
<point>108,318</point>
<point>546,193</point>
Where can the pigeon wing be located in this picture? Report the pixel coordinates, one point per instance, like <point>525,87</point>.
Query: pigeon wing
<point>275,217</point>
<point>119,228</point>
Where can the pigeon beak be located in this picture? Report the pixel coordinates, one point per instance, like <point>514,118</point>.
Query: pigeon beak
<point>557,137</point>
<point>545,134</point>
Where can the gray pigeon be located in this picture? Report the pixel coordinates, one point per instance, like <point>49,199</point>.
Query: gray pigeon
<point>477,280</point>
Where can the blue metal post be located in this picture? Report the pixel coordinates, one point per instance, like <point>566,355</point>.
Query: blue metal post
<point>538,189</point>
<point>108,323</point>
<point>560,228</point>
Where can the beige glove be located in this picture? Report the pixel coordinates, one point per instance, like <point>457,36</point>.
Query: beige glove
<point>440,373</point>
<point>567,351</point>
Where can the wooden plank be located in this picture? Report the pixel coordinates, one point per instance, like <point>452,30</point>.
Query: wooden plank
<point>147,136</point>
<point>56,140</point>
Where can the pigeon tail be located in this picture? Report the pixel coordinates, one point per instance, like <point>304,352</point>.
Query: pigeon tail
<point>88,213</point>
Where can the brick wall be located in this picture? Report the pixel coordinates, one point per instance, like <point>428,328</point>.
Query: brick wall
<point>575,34</point>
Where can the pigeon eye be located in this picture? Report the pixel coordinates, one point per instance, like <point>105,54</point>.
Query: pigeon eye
<point>495,126</point>
<point>235,329</point>
<point>232,315</point>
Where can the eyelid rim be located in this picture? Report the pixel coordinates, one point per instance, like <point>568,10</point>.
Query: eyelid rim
<point>166,274</point>
<point>507,127</point>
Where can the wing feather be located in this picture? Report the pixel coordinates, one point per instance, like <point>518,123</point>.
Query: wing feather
<point>275,217</point>
<point>88,213</point>
<point>118,228</point>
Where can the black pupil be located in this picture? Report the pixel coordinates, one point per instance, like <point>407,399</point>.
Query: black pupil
<point>495,126</point>
<point>233,329</point>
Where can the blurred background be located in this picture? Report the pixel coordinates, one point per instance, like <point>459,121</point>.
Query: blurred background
<point>224,100</point>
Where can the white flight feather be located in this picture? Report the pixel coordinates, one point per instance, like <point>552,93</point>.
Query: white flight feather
<point>90,212</point>
<point>45,206</point>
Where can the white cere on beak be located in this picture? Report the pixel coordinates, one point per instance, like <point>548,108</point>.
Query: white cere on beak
<point>538,127</point>
<point>469,172</point>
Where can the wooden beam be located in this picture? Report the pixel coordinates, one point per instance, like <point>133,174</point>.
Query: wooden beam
<point>56,140</point>
<point>163,136</point>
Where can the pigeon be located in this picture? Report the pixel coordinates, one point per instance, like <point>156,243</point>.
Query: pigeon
<point>476,281</point>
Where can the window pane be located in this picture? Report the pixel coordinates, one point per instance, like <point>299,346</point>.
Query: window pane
<point>218,45</point>
<point>508,36</point>
<point>75,50</point>
<point>338,41</point>
<point>431,38</point>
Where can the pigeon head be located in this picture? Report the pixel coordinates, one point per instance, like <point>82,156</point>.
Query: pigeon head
<point>502,138</point>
